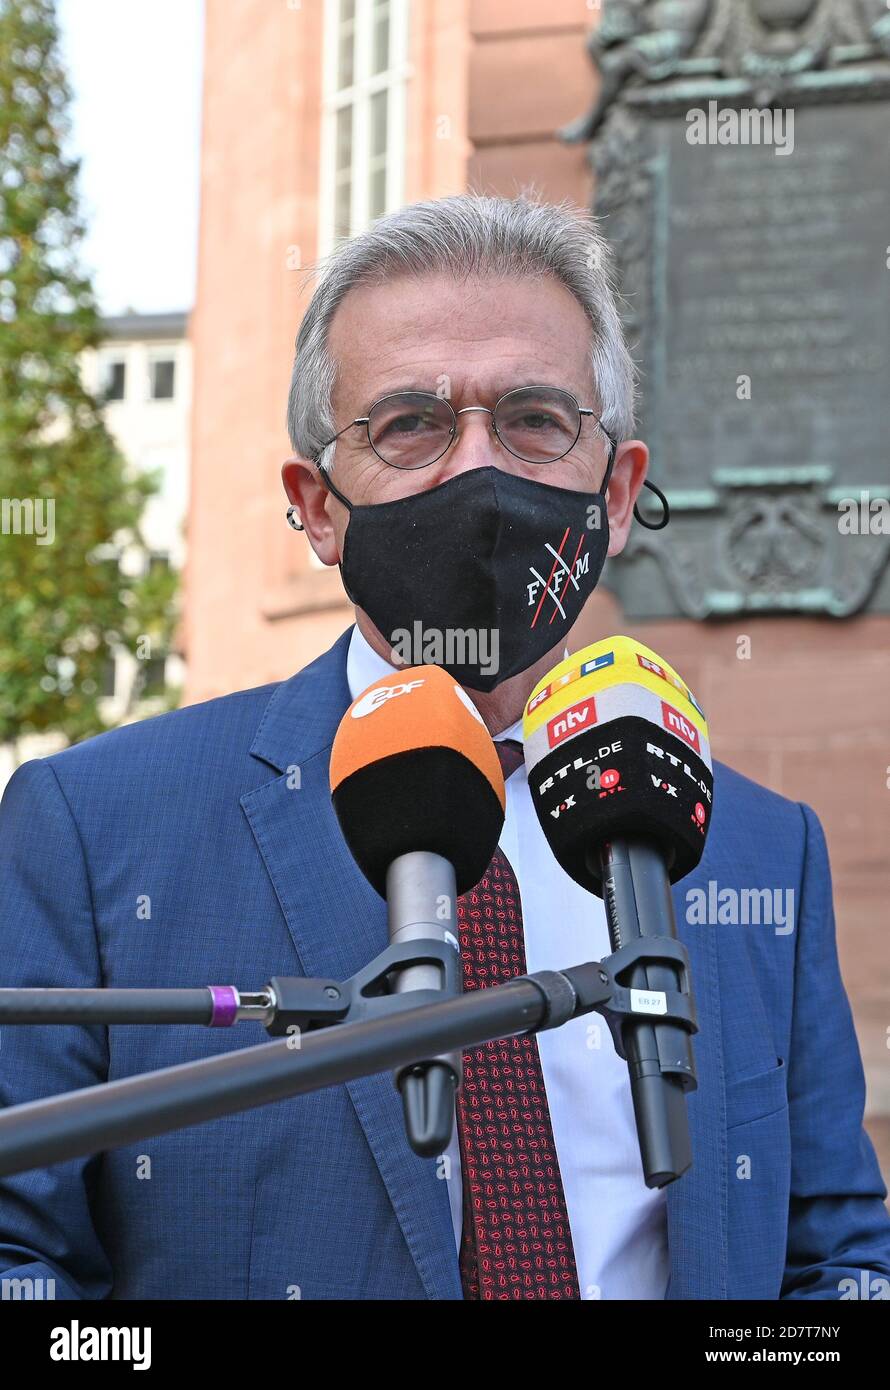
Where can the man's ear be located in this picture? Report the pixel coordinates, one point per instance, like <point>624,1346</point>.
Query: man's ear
<point>625,484</point>
<point>303,487</point>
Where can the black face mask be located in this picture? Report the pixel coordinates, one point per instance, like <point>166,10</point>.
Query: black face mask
<point>481,575</point>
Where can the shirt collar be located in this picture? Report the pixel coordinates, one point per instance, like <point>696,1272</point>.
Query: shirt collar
<point>364,666</point>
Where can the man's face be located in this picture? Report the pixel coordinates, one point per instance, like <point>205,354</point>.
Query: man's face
<point>470,341</point>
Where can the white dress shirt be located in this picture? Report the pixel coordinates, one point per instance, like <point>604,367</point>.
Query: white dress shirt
<point>619,1226</point>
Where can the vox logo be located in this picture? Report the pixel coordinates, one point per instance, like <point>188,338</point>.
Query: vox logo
<point>667,787</point>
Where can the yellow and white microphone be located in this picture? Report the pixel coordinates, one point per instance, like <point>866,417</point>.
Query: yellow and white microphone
<point>619,770</point>
<point>615,744</point>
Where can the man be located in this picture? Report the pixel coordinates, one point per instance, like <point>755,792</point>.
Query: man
<point>184,850</point>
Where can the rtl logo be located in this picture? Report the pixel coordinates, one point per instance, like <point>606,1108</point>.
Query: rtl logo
<point>610,782</point>
<point>538,699</point>
<point>653,666</point>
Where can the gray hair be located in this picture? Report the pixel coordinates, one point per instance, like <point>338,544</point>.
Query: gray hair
<point>466,234</point>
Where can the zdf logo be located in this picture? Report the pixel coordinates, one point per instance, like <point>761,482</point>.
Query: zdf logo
<point>378,695</point>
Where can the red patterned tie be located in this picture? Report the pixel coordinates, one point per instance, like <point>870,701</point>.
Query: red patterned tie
<point>516,1241</point>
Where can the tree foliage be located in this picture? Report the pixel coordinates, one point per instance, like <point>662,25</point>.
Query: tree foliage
<point>64,605</point>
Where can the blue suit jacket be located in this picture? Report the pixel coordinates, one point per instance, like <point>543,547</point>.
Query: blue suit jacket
<point>173,853</point>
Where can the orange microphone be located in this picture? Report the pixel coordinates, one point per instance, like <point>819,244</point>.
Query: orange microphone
<point>419,793</point>
<point>413,767</point>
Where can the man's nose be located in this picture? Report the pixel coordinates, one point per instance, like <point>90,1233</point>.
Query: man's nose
<point>476,444</point>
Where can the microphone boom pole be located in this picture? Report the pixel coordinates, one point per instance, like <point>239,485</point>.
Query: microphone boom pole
<point>393,1032</point>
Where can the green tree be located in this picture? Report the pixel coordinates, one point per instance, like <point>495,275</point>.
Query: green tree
<point>69,500</point>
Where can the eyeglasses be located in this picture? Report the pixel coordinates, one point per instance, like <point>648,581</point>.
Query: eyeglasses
<point>411,429</point>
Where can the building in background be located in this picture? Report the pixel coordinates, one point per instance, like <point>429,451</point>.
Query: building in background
<point>334,112</point>
<point>143,373</point>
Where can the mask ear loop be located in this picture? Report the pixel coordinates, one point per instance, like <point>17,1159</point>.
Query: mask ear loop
<point>665,505</point>
<point>613,445</point>
<point>654,525</point>
<point>331,487</point>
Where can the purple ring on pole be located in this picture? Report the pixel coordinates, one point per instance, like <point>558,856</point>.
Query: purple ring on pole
<point>225,1005</point>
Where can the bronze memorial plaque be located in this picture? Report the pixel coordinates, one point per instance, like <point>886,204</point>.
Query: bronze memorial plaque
<point>742,155</point>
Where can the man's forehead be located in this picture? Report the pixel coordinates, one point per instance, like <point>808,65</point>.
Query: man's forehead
<point>409,334</point>
<point>495,301</point>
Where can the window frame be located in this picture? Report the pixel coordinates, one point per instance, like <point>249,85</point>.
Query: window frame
<point>393,79</point>
<point>107,362</point>
<point>155,358</point>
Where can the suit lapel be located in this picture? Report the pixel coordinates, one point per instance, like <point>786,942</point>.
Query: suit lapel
<point>697,1202</point>
<point>338,924</point>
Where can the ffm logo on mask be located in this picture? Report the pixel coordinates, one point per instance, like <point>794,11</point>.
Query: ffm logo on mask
<point>571,721</point>
<point>562,573</point>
